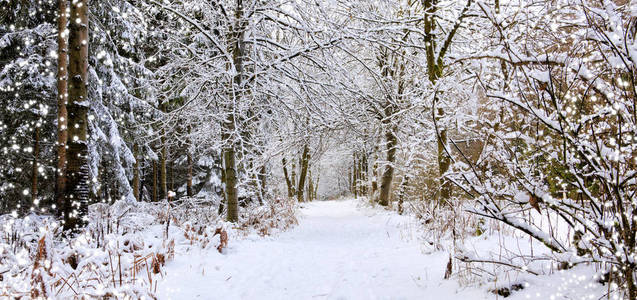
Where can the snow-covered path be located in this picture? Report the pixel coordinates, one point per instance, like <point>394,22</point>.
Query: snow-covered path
<point>338,251</point>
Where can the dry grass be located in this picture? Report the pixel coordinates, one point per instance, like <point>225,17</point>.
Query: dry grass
<point>122,252</point>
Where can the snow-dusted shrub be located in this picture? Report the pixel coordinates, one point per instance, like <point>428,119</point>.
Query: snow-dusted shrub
<point>448,222</point>
<point>559,162</point>
<point>277,215</point>
<point>122,251</point>
<point>119,254</point>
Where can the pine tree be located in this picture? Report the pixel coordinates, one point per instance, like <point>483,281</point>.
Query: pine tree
<point>62,98</point>
<point>77,189</point>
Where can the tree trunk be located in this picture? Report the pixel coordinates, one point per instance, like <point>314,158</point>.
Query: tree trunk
<point>374,186</point>
<point>350,180</point>
<point>171,175</point>
<point>443,166</point>
<point>401,197</point>
<point>310,186</point>
<point>162,169</point>
<point>631,286</point>
<point>154,181</point>
<point>223,179</point>
<point>103,189</point>
<point>388,175</point>
<point>231,182</point>
<point>228,126</point>
<point>62,97</point>
<point>305,159</point>
<point>287,179</point>
<point>435,67</point>
<point>355,174</point>
<point>366,166</point>
<point>374,181</point>
<point>34,169</point>
<point>77,189</point>
<point>255,182</point>
<point>136,172</point>
<point>189,182</point>
<point>293,178</point>
<point>262,182</point>
<point>363,176</point>
<point>374,176</point>
<point>316,186</point>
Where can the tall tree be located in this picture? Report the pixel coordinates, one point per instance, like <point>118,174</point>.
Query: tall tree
<point>163,158</point>
<point>136,175</point>
<point>228,129</point>
<point>389,64</point>
<point>189,190</point>
<point>435,54</point>
<point>155,196</point>
<point>77,189</point>
<point>34,166</point>
<point>62,98</point>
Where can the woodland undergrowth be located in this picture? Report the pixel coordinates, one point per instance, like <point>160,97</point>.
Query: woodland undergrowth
<point>486,252</point>
<point>123,250</point>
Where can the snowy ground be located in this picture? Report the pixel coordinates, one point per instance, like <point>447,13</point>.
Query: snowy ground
<point>342,251</point>
<point>337,251</point>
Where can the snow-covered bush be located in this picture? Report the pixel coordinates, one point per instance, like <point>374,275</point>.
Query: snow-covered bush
<point>277,215</point>
<point>120,253</point>
<point>559,164</point>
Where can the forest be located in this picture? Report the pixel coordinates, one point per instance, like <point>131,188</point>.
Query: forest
<point>318,149</point>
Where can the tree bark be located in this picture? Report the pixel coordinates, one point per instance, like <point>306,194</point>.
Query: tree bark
<point>136,172</point>
<point>189,182</point>
<point>374,186</point>
<point>287,179</point>
<point>62,98</point>
<point>362,181</point>
<point>305,159</point>
<point>366,167</point>
<point>293,178</point>
<point>154,181</point>
<point>228,126</point>
<point>223,179</point>
<point>232,214</point>
<point>350,180</point>
<point>443,166</point>
<point>401,197</point>
<point>34,169</point>
<point>316,186</point>
<point>435,66</point>
<point>374,182</point>
<point>77,189</point>
<point>162,169</point>
<point>310,187</point>
<point>355,178</point>
<point>262,182</point>
<point>171,175</point>
<point>388,175</point>
<point>434,70</point>
<point>374,176</point>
